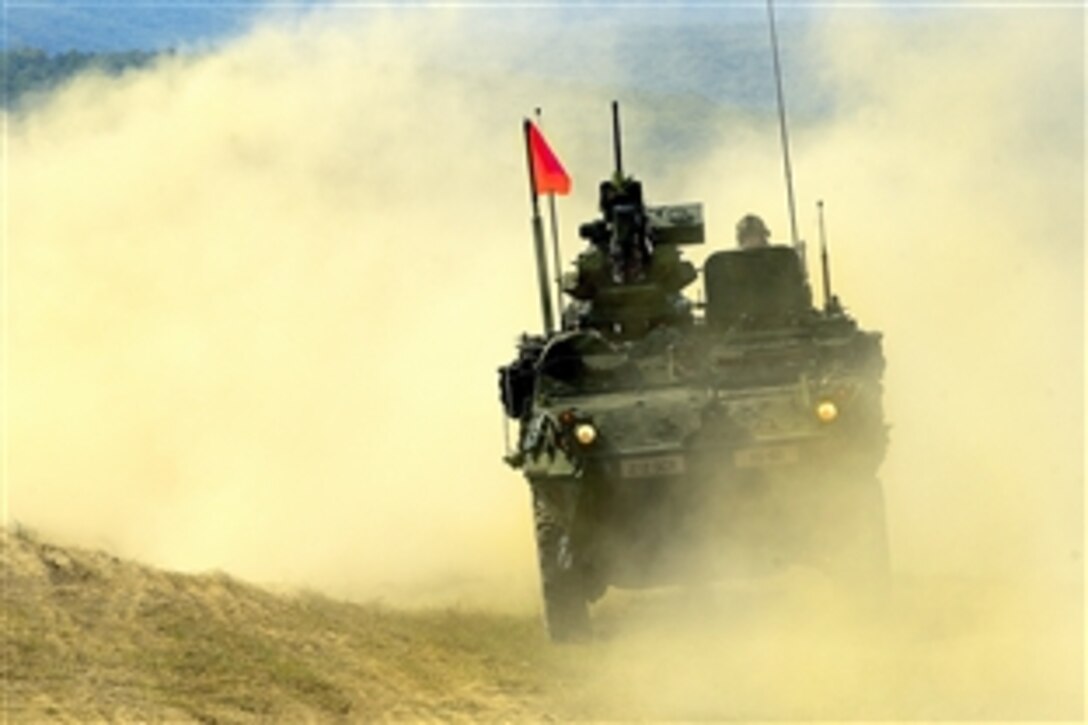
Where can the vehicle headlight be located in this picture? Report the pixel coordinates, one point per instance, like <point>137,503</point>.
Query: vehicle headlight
<point>827,411</point>
<point>585,433</point>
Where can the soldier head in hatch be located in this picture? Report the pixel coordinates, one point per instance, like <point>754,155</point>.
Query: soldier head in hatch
<point>752,232</point>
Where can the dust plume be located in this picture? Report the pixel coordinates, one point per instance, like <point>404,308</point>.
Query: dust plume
<point>256,300</point>
<point>953,173</point>
<point>952,165</point>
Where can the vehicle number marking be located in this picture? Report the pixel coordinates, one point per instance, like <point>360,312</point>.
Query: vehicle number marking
<point>765,456</point>
<point>652,467</point>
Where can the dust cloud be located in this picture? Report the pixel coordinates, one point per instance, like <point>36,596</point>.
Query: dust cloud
<point>952,166</point>
<point>256,299</point>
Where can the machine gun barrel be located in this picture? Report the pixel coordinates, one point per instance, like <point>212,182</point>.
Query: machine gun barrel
<point>616,139</point>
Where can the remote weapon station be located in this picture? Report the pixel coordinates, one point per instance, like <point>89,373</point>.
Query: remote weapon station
<point>667,441</point>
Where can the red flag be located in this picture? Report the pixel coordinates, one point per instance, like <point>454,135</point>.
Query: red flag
<point>549,176</point>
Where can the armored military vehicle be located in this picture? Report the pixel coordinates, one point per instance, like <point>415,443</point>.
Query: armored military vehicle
<point>668,440</point>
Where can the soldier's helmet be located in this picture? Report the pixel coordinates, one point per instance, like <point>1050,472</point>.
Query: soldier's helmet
<point>752,232</point>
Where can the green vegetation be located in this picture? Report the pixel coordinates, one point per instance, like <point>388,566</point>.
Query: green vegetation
<point>30,71</point>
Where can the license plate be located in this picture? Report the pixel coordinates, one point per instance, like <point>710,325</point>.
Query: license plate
<point>766,456</point>
<point>652,467</point>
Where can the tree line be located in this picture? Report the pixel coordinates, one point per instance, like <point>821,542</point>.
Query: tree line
<point>30,71</point>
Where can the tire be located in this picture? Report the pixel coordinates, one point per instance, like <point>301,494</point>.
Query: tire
<point>563,584</point>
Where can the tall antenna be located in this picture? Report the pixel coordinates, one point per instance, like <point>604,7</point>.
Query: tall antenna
<point>824,263</point>
<point>785,134</point>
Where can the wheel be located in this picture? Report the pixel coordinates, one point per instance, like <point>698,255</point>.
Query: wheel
<point>563,583</point>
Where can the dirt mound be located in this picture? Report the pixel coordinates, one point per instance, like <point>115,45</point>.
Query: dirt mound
<point>89,636</point>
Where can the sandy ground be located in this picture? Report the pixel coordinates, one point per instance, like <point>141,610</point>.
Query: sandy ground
<point>88,636</point>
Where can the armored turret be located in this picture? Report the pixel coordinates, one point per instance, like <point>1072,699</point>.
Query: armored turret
<point>629,278</point>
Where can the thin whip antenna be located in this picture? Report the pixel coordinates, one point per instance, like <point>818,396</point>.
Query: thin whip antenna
<point>785,133</point>
<point>824,263</point>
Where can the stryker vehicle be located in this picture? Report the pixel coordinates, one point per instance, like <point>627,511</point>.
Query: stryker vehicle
<point>672,441</point>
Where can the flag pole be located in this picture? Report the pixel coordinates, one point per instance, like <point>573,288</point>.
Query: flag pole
<point>558,261</point>
<point>538,240</point>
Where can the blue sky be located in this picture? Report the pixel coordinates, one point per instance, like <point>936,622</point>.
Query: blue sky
<point>113,25</point>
